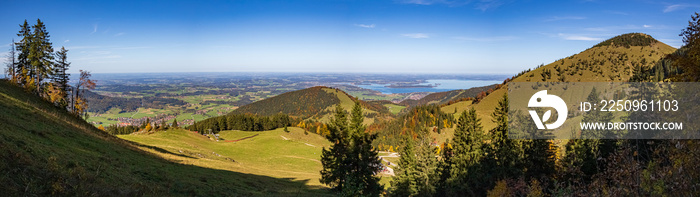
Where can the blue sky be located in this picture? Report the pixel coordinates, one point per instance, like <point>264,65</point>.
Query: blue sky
<point>417,36</point>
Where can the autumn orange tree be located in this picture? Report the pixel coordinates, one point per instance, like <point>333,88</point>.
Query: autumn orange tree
<point>80,104</point>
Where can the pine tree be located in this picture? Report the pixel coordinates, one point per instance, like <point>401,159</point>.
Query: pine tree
<point>404,183</point>
<point>444,168</point>
<point>364,159</point>
<point>333,160</point>
<point>163,125</point>
<point>23,65</point>
<point>40,55</point>
<point>349,166</point>
<point>504,155</point>
<point>61,77</point>
<point>11,63</point>
<point>174,125</point>
<point>468,151</point>
<point>426,167</point>
<point>356,126</point>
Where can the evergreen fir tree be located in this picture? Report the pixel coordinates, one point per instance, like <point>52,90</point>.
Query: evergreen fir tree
<point>504,155</point>
<point>404,183</point>
<point>333,159</point>
<point>23,66</point>
<point>40,55</point>
<point>364,159</point>
<point>11,63</point>
<point>60,76</point>
<point>445,164</point>
<point>174,125</point>
<point>426,169</point>
<point>468,145</point>
<point>351,161</point>
<point>163,125</point>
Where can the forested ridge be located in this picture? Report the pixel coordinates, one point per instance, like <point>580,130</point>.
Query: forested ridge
<point>300,103</point>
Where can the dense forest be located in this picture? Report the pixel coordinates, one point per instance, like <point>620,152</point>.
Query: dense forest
<point>417,123</point>
<point>295,103</point>
<point>244,122</point>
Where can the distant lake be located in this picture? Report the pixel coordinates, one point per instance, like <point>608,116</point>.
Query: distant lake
<point>442,86</point>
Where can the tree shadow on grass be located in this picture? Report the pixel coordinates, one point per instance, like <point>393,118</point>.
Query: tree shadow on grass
<point>161,150</point>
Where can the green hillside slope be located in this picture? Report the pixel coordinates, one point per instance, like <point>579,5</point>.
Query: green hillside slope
<point>275,153</point>
<point>311,103</point>
<point>46,151</point>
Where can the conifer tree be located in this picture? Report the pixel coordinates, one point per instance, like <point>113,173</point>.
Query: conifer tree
<point>40,55</point>
<point>426,169</point>
<point>60,76</point>
<point>11,64</point>
<point>23,65</point>
<point>468,151</point>
<point>445,164</point>
<point>404,183</point>
<point>163,125</point>
<point>174,125</point>
<point>351,163</point>
<point>504,155</point>
<point>334,168</point>
<point>364,159</point>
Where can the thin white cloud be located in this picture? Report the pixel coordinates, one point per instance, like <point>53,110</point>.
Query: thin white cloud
<point>674,7</point>
<point>419,2</point>
<point>94,29</point>
<point>365,26</point>
<point>66,41</point>
<point>482,5</point>
<point>577,37</point>
<point>486,39</point>
<point>119,34</point>
<point>416,35</point>
<point>646,26</point>
<point>559,18</point>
